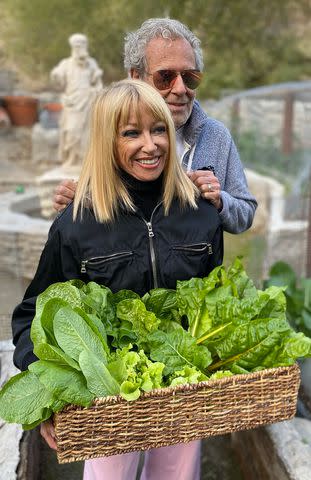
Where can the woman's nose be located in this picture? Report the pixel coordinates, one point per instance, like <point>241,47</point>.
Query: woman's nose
<point>149,145</point>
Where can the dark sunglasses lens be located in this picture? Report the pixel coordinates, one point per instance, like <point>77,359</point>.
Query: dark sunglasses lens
<point>191,79</point>
<point>163,78</point>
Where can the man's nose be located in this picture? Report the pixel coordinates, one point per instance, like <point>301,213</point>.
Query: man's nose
<point>178,86</point>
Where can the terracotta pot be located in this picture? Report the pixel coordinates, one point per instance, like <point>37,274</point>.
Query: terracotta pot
<point>23,111</point>
<point>53,107</point>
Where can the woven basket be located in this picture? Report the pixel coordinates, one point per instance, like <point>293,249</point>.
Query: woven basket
<point>176,414</point>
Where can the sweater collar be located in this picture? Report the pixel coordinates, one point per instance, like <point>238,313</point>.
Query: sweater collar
<point>135,185</point>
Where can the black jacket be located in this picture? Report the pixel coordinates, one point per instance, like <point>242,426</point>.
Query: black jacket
<point>129,253</point>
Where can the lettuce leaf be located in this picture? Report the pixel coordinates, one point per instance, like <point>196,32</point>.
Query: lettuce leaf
<point>63,382</point>
<point>24,398</point>
<point>99,380</point>
<point>74,335</point>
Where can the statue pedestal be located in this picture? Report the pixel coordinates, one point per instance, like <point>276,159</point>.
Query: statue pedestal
<point>48,182</point>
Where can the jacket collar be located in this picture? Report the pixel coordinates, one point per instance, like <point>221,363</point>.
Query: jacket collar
<point>194,124</point>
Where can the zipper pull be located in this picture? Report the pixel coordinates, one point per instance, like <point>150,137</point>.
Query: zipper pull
<point>150,231</point>
<point>210,250</point>
<point>83,264</point>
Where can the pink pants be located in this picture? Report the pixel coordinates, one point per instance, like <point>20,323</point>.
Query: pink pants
<point>178,462</point>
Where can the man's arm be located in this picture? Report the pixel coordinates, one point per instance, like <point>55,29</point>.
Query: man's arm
<point>215,147</point>
<point>64,194</point>
<point>238,204</point>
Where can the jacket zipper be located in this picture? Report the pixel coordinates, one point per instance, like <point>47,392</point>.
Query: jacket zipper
<point>103,259</point>
<point>151,247</point>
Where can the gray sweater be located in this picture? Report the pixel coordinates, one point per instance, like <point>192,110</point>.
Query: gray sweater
<point>210,143</point>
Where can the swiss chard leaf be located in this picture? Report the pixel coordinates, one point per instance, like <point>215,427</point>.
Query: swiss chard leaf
<point>248,345</point>
<point>177,349</point>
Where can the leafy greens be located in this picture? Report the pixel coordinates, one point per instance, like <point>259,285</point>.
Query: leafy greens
<point>92,343</point>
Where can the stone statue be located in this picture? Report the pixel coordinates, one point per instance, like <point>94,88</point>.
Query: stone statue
<point>79,79</point>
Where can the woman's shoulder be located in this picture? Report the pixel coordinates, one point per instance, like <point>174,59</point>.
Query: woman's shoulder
<point>205,209</point>
<point>64,219</point>
<point>206,206</point>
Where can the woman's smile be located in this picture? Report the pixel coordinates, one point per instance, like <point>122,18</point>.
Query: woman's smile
<point>149,162</point>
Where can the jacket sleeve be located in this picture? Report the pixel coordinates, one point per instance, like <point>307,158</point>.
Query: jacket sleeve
<point>49,271</point>
<point>239,205</point>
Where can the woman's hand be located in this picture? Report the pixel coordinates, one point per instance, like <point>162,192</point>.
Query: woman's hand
<point>48,433</point>
<point>64,194</point>
<point>208,185</point>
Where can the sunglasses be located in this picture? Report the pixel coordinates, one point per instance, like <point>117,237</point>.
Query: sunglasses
<point>165,79</point>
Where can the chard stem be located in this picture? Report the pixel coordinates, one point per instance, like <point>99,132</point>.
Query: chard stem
<point>195,325</point>
<point>216,365</point>
<point>205,336</point>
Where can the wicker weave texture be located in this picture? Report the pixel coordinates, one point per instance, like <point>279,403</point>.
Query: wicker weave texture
<point>174,415</point>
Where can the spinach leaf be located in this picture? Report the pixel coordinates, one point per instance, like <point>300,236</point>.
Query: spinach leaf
<point>142,321</point>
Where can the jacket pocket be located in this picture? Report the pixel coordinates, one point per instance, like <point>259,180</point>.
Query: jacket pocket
<point>96,263</point>
<point>194,248</point>
<point>185,261</point>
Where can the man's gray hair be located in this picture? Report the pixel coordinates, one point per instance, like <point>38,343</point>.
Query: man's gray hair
<point>136,42</point>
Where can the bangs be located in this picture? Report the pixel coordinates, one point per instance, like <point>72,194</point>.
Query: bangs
<point>134,105</point>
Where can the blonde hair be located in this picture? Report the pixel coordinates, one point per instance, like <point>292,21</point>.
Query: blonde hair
<point>100,184</point>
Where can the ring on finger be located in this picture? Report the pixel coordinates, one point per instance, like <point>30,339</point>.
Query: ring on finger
<point>209,187</point>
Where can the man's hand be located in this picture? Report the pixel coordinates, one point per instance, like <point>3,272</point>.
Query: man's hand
<point>48,433</point>
<point>208,185</point>
<point>64,194</point>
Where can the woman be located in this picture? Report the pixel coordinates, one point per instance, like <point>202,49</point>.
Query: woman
<point>138,223</point>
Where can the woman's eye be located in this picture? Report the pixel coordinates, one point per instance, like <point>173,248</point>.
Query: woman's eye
<point>130,133</point>
<point>160,129</point>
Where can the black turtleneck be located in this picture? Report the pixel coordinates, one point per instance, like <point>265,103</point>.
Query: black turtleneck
<point>145,195</point>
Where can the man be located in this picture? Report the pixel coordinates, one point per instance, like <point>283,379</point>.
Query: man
<point>167,55</point>
<point>79,78</point>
